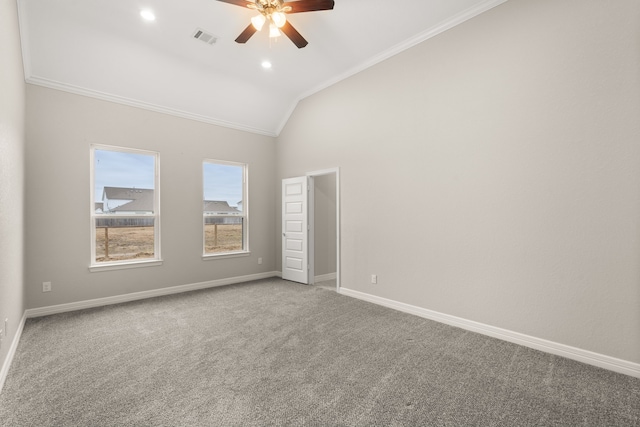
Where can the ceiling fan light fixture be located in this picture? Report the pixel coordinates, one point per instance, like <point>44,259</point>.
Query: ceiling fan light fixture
<point>258,21</point>
<point>274,31</point>
<point>279,19</point>
<point>275,12</point>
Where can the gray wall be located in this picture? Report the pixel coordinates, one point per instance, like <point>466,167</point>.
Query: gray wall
<point>60,128</point>
<point>493,172</point>
<point>12,142</point>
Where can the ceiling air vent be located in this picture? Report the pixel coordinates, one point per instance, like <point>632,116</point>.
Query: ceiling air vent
<point>204,36</point>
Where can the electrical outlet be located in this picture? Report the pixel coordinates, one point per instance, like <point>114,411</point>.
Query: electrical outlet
<point>374,278</point>
<point>46,286</point>
<point>259,260</point>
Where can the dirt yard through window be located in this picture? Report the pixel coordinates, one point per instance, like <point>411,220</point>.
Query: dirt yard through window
<point>128,243</point>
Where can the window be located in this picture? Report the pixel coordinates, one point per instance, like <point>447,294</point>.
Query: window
<point>225,208</point>
<point>125,216</point>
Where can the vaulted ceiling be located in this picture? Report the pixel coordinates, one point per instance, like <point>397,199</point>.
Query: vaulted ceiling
<point>104,49</point>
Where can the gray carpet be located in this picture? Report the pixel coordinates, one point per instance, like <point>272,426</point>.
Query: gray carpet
<point>272,352</point>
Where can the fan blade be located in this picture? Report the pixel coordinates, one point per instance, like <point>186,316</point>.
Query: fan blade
<point>294,35</point>
<point>242,3</point>
<point>309,5</point>
<point>246,34</point>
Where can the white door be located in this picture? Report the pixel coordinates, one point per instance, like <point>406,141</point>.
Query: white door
<point>295,239</point>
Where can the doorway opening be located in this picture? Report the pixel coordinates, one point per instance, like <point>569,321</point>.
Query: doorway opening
<point>324,228</point>
<point>311,228</point>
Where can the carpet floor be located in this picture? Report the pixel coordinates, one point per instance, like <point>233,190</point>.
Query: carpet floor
<point>275,353</point>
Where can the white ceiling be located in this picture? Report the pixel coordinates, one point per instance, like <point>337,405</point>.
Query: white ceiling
<point>104,49</point>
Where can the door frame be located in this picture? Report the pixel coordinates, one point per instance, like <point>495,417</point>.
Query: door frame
<point>311,223</point>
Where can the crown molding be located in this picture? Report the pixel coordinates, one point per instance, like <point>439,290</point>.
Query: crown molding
<point>417,39</point>
<point>52,84</point>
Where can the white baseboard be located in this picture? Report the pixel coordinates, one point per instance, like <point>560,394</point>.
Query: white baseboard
<point>323,277</point>
<point>320,278</point>
<point>12,351</point>
<point>585,356</point>
<point>99,302</point>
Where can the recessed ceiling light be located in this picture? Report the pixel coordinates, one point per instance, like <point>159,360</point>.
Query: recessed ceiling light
<point>266,65</point>
<point>147,15</point>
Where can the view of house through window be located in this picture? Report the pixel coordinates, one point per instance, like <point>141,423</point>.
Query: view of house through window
<point>224,207</point>
<point>124,205</point>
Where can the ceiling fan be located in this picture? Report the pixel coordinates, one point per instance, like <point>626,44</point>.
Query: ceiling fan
<point>273,11</point>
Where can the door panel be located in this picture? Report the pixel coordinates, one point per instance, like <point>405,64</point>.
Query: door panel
<point>294,226</point>
<point>294,230</point>
<point>294,245</point>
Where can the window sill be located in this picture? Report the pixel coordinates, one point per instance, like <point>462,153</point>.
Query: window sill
<point>209,257</point>
<point>124,265</point>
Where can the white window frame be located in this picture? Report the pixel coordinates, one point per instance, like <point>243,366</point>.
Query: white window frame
<point>117,265</point>
<point>245,212</point>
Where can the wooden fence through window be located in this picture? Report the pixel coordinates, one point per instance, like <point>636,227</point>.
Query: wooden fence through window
<point>112,222</point>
